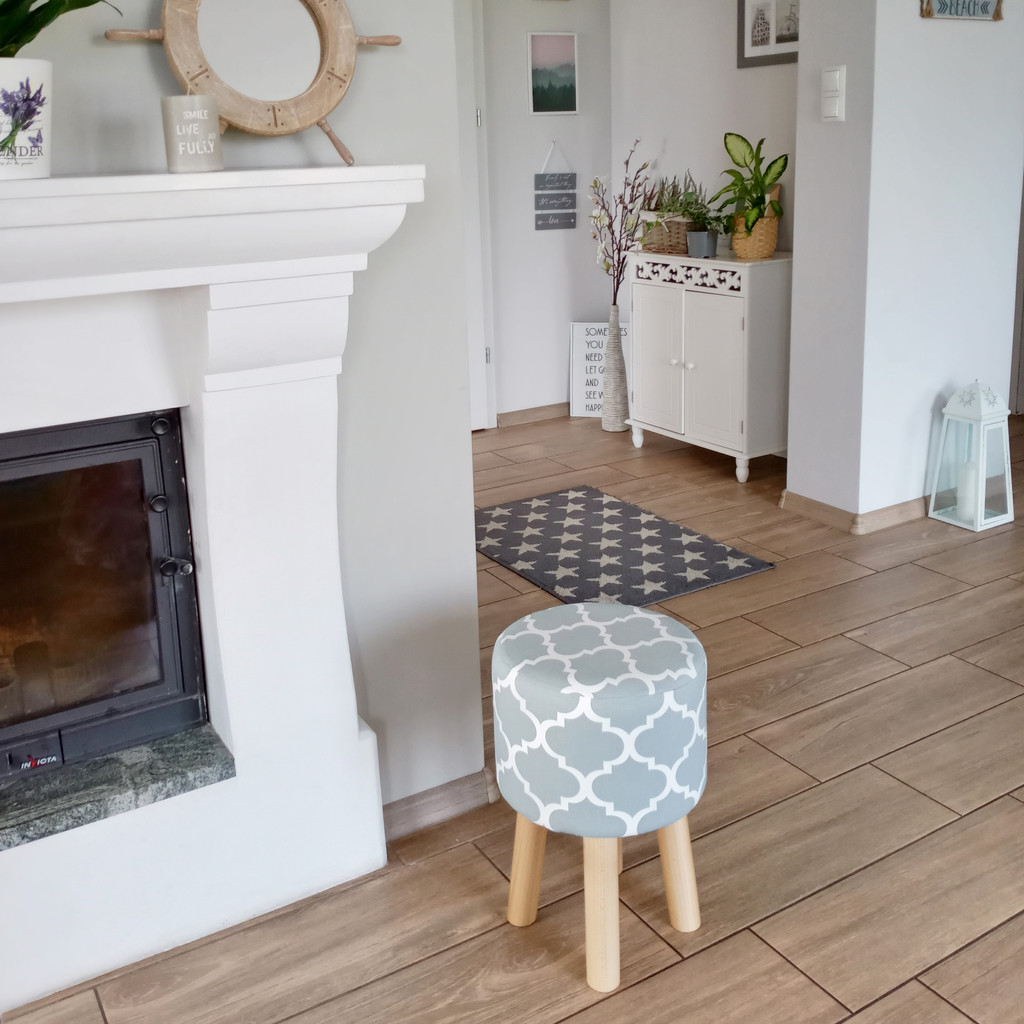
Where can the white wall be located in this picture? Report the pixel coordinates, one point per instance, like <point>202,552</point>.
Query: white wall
<point>408,559</point>
<point>675,85</point>
<point>947,151</point>
<point>408,553</point>
<point>886,327</point>
<point>829,276</point>
<point>543,280</point>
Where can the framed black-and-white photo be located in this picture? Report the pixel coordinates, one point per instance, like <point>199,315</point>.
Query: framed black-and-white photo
<point>552,72</point>
<point>767,32</point>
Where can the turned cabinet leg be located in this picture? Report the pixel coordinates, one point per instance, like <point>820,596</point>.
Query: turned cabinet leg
<point>680,878</point>
<point>601,902</point>
<point>638,437</point>
<point>527,871</point>
<point>742,470</point>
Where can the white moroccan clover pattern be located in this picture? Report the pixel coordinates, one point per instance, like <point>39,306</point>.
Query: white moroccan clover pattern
<point>600,719</point>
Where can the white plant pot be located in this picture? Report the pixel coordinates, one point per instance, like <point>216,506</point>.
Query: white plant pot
<point>26,103</point>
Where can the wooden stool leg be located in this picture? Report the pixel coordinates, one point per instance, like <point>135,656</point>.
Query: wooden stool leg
<point>601,900</point>
<point>527,871</point>
<point>680,878</point>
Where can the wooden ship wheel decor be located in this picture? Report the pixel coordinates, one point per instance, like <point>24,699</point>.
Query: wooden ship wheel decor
<point>338,45</point>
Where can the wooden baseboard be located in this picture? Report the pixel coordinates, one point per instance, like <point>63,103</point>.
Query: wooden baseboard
<point>856,523</point>
<point>411,813</point>
<point>540,412</point>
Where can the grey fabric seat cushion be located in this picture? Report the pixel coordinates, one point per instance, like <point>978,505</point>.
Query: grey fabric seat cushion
<point>600,719</point>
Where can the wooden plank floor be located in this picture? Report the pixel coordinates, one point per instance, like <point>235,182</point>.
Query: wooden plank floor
<point>859,848</point>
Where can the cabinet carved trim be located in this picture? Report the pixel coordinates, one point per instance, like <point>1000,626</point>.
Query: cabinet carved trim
<point>714,279</point>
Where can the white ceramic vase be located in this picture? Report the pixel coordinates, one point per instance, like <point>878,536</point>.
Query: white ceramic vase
<point>615,404</point>
<point>26,104</point>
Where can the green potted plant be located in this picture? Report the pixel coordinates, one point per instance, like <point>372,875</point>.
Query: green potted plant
<point>664,213</point>
<point>753,194</point>
<point>25,86</point>
<point>704,223</point>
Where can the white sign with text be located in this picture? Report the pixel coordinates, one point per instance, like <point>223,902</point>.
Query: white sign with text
<point>586,366</point>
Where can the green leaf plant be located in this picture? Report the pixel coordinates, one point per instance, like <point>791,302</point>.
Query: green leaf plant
<point>697,207</point>
<point>749,191</point>
<point>22,20</point>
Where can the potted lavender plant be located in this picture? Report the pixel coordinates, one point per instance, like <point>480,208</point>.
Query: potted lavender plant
<point>617,227</point>
<point>25,86</point>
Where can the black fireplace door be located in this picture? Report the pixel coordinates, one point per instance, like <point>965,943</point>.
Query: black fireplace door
<point>99,630</point>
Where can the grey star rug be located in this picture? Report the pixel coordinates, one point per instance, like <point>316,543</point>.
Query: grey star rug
<point>583,545</point>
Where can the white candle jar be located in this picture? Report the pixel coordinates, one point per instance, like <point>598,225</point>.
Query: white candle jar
<point>192,133</point>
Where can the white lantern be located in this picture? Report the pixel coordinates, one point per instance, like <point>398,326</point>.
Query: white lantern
<point>971,486</point>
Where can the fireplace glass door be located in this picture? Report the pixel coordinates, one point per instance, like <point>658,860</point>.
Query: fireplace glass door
<point>96,593</point>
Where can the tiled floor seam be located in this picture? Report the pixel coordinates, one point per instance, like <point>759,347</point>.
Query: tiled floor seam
<point>928,796</point>
<point>891,657</point>
<point>389,974</point>
<point>622,988</point>
<point>799,970</point>
<point>896,988</point>
<point>879,860</point>
<point>740,541</point>
<point>937,732</point>
<point>866,622</point>
<point>956,654</point>
<point>956,952</point>
<point>752,925</point>
<point>968,588</point>
<point>809,707</point>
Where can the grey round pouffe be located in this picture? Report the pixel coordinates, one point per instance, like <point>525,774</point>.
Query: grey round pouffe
<point>600,730</point>
<point>600,719</point>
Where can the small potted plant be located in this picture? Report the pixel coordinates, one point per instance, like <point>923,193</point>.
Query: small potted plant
<point>753,194</point>
<point>704,223</point>
<point>25,86</point>
<point>664,212</point>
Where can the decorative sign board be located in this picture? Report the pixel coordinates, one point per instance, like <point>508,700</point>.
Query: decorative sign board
<point>977,10</point>
<point>554,221</point>
<point>586,366</point>
<point>554,182</point>
<point>554,199</point>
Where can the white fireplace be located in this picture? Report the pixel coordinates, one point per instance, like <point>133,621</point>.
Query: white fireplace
<point>225,295</point>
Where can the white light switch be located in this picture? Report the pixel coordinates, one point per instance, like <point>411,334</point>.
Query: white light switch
<point>833,93</point>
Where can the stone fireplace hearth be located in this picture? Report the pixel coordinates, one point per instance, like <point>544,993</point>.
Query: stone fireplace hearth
<point>226,296</point>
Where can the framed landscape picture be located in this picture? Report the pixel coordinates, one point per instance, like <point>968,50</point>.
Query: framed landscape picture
<point>767,32</point>
<point>552,72</point>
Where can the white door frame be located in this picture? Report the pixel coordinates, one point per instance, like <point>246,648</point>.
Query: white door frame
<point>1016,396</point>
<point>472,108</point>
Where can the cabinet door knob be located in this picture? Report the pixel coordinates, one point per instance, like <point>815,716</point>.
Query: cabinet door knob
<point>673,362</point>
<point>691,366</point>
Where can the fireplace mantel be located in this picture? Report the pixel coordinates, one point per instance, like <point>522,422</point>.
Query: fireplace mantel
<point>123,233</point>
<point>225,295</point>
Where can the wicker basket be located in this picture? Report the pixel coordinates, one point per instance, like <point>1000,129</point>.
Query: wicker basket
<point>667,236</point>
<point>758,244</point>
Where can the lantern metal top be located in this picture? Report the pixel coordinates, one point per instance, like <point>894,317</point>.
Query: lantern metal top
<point>976,402</point>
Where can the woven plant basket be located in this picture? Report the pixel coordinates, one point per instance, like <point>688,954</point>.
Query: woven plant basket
<point>758,244</point>
<point>668,237</point>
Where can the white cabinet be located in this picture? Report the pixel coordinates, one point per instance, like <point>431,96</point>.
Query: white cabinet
<point>710,352</point>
